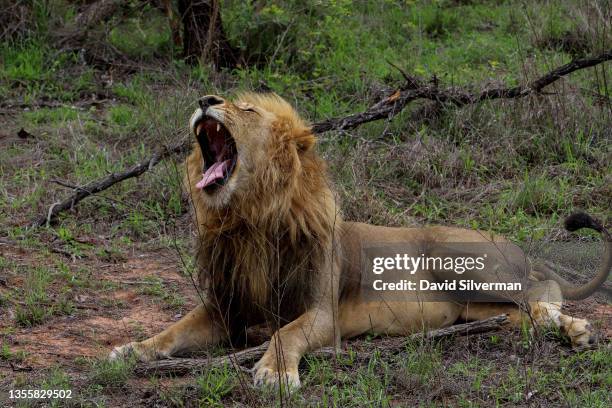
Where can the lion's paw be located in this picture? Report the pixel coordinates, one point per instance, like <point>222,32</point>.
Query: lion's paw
<point>579,331</point>
<point>265,376</point>
<point>133,349</point>
<point>122,352</point>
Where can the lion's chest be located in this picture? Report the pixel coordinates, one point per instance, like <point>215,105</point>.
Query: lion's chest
<point>253,282</point>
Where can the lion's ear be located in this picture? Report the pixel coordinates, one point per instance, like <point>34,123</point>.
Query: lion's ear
<point>304,140</point>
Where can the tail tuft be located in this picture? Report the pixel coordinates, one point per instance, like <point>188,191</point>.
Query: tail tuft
<point>580,220</point>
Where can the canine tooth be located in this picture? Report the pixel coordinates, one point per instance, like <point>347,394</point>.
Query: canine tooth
<point>218,127</point>
<point>199,128</point>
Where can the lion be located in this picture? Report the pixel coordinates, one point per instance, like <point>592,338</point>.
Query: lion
<point>272,248</point>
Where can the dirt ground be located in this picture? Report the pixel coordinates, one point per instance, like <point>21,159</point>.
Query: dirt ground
<point>119,309</point>
<point>105,318</point>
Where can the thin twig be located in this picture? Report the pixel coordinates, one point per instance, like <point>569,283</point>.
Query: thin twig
<point>64,183</point>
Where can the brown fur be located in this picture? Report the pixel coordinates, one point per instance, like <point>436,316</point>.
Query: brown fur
<point>271,248</point>
<point>258,256</point>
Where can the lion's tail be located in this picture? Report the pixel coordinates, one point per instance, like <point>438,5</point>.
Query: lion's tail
<point>575,222</point>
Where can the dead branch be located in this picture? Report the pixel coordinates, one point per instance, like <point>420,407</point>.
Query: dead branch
<point>97,186</point>
<point>96,13</point>
<point>414,89</point>
<point>239,358</point>
<point>392,105</point>
<point>84,36</point>
<point>479,326</point>
<point>87,19</point>
<point>186,365</point>
<point>15,20</point>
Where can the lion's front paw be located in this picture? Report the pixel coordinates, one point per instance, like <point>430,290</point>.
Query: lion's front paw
<point>122,352</point>
<point>579,331</point>
<point>134,349</point>
<point>265,376</point>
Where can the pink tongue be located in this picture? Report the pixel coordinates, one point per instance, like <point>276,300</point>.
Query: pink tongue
<point>214,173</point>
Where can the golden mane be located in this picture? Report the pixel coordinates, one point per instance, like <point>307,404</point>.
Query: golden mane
<point>275,233</point>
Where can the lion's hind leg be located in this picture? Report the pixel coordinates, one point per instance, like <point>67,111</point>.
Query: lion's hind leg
<point>196,331</point>
<point>545,301</point>
<point>544,311</point>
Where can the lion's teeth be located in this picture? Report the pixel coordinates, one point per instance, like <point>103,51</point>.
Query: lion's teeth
<point>199,128</point>
<point>218,127</point>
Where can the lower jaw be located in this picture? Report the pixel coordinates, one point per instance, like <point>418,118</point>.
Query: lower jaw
<point>212,189</point>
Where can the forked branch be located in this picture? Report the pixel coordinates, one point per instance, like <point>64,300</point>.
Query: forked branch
<point>414,88</point>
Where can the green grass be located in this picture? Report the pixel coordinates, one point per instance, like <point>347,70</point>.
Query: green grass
<point>47,116</point>
<point>7,355</point>
<point>215,384</point>
<point>512,167</point>
<point>57,379</point>
<point>142,36</point>
<point>476,370</point>
<point>35,305</point>
<point>421,362</point>
<point>136,91</point>
<point>25,63</point>
<point>30,70</point>
<point>34,309</point>
<point>120,115</point>
<point>155,287</point>
<point>108,373</point>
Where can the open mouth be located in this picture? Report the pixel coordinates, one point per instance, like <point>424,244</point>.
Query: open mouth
<point>219,152</point>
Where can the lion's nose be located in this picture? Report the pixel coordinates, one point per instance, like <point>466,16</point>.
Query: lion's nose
<point>208,101</point>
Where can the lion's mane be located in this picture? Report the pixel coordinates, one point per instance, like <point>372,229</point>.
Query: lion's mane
<point>259,257</point>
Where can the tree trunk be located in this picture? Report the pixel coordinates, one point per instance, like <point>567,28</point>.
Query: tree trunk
<point>173,22</point>
<point>203,35</point>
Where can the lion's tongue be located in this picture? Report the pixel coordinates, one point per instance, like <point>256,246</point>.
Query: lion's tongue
<point>214,173</point>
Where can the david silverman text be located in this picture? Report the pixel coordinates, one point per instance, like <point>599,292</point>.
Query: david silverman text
<point>464,284</point>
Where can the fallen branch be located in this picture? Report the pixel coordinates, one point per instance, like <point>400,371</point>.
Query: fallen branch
<point>392,105</point>
<point>97,12</point>
<point>415,88</point>
<point>100,185</point>
<point>478,326</point>
<point>239,358</point>
<point>92,15</point>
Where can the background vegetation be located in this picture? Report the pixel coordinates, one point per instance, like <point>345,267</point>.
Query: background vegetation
<point>76,107</point>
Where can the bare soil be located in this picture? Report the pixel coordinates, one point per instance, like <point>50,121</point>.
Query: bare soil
<point>103,318</point>
<point>117,311</point>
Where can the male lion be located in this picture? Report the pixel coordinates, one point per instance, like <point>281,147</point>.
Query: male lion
<point>272,248</point>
